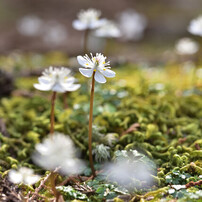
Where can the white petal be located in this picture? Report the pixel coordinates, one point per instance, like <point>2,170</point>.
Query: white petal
<point>86,72</point>
<point>77,24</point>
<point>15,177</point>
<point>72,87</point>
<point>44,80</point>
<point>32,179</point>
<point>82,61</point>
<point>99,77</point>
<point>108,73</point>
<point>58,88</point>
<point>42,87</point>
<point>97,23</point>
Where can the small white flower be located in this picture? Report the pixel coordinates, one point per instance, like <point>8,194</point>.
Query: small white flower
<point>54,34</point>
<point>57,151</point>
<point>23,175</point>
<point>178,187</point>
<point>30,26</point>
<point>109,30</point>
<point>186,46</point>
<point>57,79</point>
<point>95,64</point>
<point>132,24</point>
<point>195,26</point>
<point>88,19</point>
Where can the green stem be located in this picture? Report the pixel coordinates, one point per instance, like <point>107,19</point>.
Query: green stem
<point>90,126</point>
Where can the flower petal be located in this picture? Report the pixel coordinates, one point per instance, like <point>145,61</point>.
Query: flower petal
<point>97,23</point>
<point>72,87</point>
<point>58,88</point>
<point>82,61</point>
<point>42,87</point>
<point>86,72</point>
<point>44,80</point>
<point>108,73</point>
<point>77,24</point>
<point>99,77</point>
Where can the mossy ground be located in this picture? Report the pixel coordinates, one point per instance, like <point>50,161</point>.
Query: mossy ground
<point>165,102</point>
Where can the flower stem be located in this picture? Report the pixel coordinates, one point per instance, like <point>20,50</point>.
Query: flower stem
<point>53,177</point>
<point>85,44</point>
<point>52,121</point>
<point>90,127</point>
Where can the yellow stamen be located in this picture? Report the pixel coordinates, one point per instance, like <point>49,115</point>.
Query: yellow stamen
<point>104,69</point>
<point>103,63</point>
<point>87,64</point>
<point>94,70</point>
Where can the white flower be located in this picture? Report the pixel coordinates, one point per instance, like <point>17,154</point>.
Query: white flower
<point>132,24</point>
<point>186,46</point>
<point>109,30</point>
<point>57,79</point>
<point>57,151</point>
<point>23,175</point>
<point>30,25</point>
<point>95,64</point>
<point>195,26</point>
<point>54,34</point>
<point>178,187</point>
<point>88,19</point>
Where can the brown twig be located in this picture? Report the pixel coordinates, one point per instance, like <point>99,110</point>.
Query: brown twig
<point>90,126</point>
<point>132,128</point>
<point>42,184</point>
<point>191,184</point>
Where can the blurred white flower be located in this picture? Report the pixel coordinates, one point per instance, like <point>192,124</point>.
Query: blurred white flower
<point>88,19</point>
<point>195,26</point>
<point>57,79</point>
<point>108,30</point>
<point>54,33</point>
<point>30,25</point>
<point>23,175</point>
<point>130,169</point>
<point>186,46</point>
<point>132,24</point>
<point>58,151</point>
<point>95,64</point>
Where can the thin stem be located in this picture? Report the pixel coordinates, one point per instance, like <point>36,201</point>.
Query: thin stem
<point>90,126</point>
<point>65,100</point>
<point>52,121</point>
<point>85,43</point>
<point>52,181</point>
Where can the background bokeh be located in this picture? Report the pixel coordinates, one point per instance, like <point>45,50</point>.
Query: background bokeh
<point>167,21</point>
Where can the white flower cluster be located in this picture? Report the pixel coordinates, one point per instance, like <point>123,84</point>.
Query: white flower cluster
<point>57,79</point>
<point>23,175</point>
<point>58,151</point>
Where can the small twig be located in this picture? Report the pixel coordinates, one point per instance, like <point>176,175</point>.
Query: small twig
<point>132,128</point>
<point>191,184</point>
<point>42,184</point>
